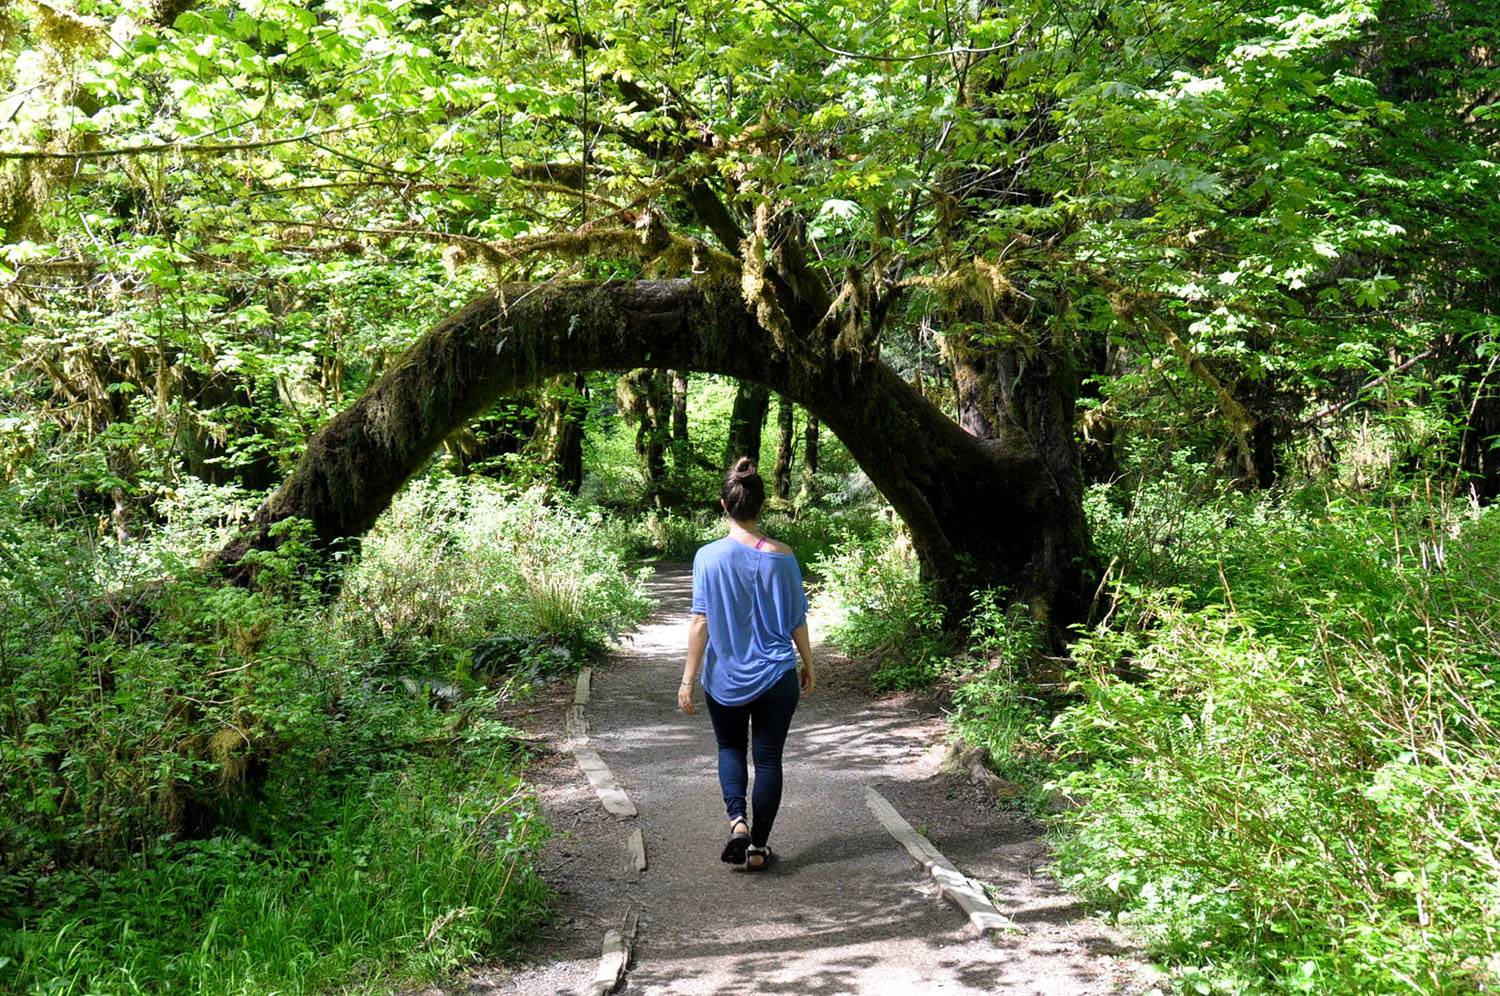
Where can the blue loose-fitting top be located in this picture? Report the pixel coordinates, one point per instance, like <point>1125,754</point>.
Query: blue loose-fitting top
<point>753,600</point>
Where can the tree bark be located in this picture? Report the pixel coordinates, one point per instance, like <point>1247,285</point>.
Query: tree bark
<point>1022,399</point>
<point>1476,406</point>
<point>646,396</point>
<point>1479,458</point>
<point>559,435</point>
<point>203,455</point>
<point>809,455</point>
<point>746,419</point>
<point>782,486</point>
<point>679,406</point>
<point>659,429</point>
<point>980,512</point>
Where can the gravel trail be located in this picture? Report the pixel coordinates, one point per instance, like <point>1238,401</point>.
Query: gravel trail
<point>845,910</point>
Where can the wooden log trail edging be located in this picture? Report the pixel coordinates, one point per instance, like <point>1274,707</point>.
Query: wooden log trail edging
<point>636,845</point>
<point>614,956</point>
<point>952,883</point>
<point>616,802</point>
<point>575,725</point>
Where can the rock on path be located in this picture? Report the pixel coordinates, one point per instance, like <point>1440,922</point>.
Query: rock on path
<point>845,911</point>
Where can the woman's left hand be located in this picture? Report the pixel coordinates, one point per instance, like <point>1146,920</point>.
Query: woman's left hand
<point>685,699</point>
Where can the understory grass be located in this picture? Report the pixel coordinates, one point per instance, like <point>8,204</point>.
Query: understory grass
<point>404,874</point>
<point>1286,745</point>
<point>225,790</point>
<point>455,562</point>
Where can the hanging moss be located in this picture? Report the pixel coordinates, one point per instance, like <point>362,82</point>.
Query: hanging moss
<point>753,286</point>
<point>63,30</point>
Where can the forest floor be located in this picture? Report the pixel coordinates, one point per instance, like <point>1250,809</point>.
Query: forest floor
<point>845,910</point>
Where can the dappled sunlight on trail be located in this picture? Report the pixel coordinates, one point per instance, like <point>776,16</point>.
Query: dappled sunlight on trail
<point>845,911</point>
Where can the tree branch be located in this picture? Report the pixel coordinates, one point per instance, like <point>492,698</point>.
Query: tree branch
<point>190,148</point>
<point>1128,304</point>
<point>710,209</point>
<point>1338,408</point>
<point>944,53</point>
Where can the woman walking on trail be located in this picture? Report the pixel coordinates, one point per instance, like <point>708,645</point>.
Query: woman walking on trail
<point>748,629</point>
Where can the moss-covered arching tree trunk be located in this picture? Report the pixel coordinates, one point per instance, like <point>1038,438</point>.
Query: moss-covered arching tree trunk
<point>977,509</point>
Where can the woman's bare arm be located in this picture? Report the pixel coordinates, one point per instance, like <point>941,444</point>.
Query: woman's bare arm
<point>697,642</point>
<point>809,677</point>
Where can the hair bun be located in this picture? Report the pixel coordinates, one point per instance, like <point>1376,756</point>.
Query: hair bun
<point>743,492</point>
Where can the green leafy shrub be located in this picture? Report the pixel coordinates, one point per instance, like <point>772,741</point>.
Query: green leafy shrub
<point>454,561</point>
<point>340,873</point>
<point>880,608</point>
<point>1166,533</point>
<point>670,535</point>
<point>815,532</point>
<point>221,789</point>
<point>995,706</point>
<point>1291,779</point>
<point>133,714</point>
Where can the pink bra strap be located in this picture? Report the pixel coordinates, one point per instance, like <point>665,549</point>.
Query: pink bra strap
<point>759,542</point>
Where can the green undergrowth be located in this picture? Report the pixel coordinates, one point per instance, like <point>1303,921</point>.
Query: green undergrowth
<point>1274,752</point>
<point>225,790</point>
<point>878,608</point>
<point>1285,745</point>
<point>351,873</point>
<point>999,702</point>
<point>454,563</point>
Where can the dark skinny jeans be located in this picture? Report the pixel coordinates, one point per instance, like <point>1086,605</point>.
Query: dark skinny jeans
<point>768,718</point>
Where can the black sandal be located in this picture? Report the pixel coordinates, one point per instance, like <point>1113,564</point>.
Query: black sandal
<point>735,847</point>
<point>766,855</point>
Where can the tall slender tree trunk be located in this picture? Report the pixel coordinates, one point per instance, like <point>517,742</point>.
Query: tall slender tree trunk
<point>785,424</point>
<point>1476,407</point>
<point>560,431</point>
<point>659,432</point>
<point>809,455</point>
<point>1479,454</point>
<point>679,406</point>
<point>681,446</point>
<point>646,394</point>
<point>746,419</point>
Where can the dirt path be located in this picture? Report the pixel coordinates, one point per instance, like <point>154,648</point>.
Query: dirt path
<point>845,911</point>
